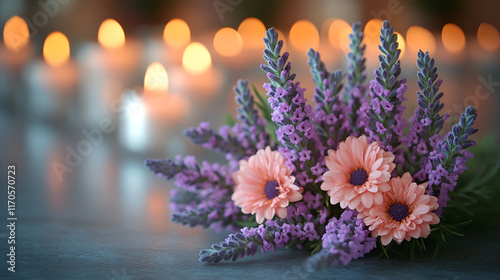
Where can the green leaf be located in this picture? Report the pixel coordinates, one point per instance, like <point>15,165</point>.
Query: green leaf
<point>230,120</point>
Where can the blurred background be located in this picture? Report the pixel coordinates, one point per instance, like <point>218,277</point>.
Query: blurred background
<point>89,89</point>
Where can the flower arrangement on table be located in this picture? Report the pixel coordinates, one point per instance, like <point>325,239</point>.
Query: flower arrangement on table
<point>334,179</point>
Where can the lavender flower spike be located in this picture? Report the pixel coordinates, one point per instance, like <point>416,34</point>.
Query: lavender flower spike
<point>253,125</point>
<point>332,125</point>
<point>274,234</point>
<point>303,149</point>
<point>448,160</point>
<point>356,75</point>
<point>387,90</point>
<point>345,239</point>
<point>427,123</point>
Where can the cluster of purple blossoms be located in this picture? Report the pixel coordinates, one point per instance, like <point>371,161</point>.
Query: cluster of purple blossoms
<point>274,234</point>
<point>203,193</point>
<point>424,136</point>
<point>387,93</point>
<point>447,161</point>
<point>304,135</point>
<point>331,119</point>
<point>345,239</point>
<point>296,132</point>
<point>240,141</point>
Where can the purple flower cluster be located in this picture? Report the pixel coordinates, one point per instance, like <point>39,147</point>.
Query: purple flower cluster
<point>330,115</point>
<point>345,239</point>
<point>357,102</point>
<point>296,132</point>
<point>387,91</point>
<point>240,141</point>
<point>203,193</point>
<point>423,136</point>
<point>274,234</point>
<point>447,161</point>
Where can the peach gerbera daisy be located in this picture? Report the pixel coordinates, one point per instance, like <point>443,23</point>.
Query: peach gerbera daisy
<point>405,213</point>
<point>358,173</point>
<point>264,186</point>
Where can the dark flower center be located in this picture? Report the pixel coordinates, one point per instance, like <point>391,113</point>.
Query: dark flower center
<point>358,177</point>
<point>398,211</point>
<point>272,190</point>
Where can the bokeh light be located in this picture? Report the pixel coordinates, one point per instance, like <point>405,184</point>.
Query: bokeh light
<point>176,33</point>
<point>419,38</point>
<point>56,49</point>
<point>304,35</point>
<point>488,37</point>
<point>155,79</point>
<point>372,31</point>
<point>228,42</point>
<point>196,58</point>
<point>111,35</point>
<point>16,34</point>
<point>338,34</point>
<point>252,32</point>
<point>453,38</point>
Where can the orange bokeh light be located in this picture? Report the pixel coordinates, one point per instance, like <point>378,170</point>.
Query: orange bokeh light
<point>155,79</point>
<point>252,31</point>
<point>372,31</point>
<point>196,58</point>
<point>56,49</point>
<point>419,38</point>
<point>111,35</point>
<point>488,37</point>
<point>453,38</point>
<point>338,34</point>
<point>304,35</point>
<point>176,33</point>
<point>228,42</point>
<point>16,34</point>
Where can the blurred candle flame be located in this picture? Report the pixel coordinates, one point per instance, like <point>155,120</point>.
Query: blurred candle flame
<point>228,42</point>
<point>338,34</point>
<point>488,37</point>
<point>111,35</point>
<point>16,33</point>
<point>453,38</point>
<point>196,58</point>
<point>304,35</point>
<point>252,31</point>
<point>372,31</point>
<point>176,33</point>
<point>419,38</point>
<point>56,49</point>
<point>155,79</point>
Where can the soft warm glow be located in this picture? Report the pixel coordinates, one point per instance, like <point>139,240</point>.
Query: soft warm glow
<point>453,38</point>
<point>488,37</point>
<point>372,31</point>
<point>338,34</point>
<point>401,43</point>
<point>176,33</point>
<point>111,34</point>
<point>196,58</point>
<point>156,79</point>
<point>419,38</point>
<point>228,42</point>
<point>56,49</point>
<point>16,33</point>
<point>304,35</point>
<point>252,30</point>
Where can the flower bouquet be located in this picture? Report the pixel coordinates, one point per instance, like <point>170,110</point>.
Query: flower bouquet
<point>339,177</point>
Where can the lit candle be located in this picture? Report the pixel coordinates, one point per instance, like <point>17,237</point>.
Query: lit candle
<point>17,50</point>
